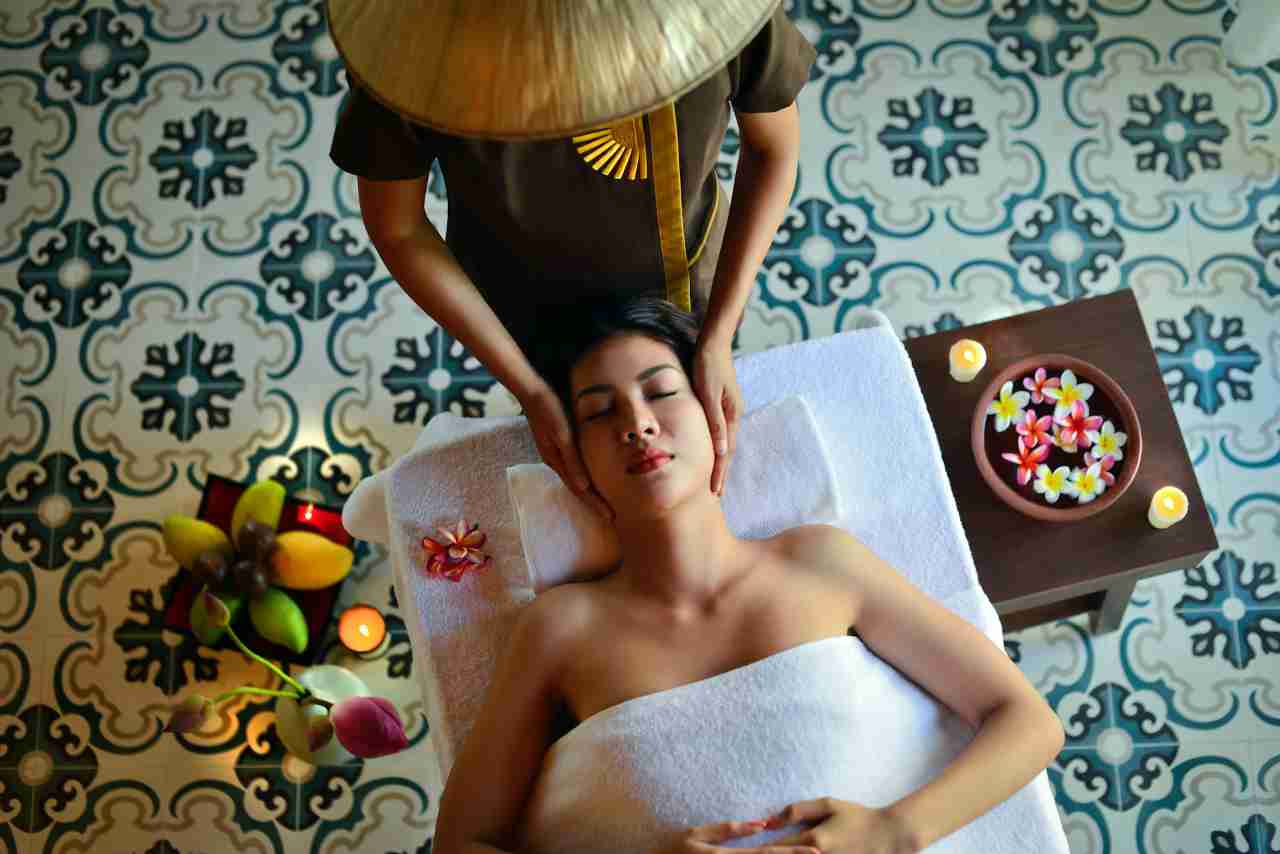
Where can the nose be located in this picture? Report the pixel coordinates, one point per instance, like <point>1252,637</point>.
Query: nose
<point>638,422</point>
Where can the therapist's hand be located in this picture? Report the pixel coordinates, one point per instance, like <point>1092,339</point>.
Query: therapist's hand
<point>554,437</point>
<point>716,383</point>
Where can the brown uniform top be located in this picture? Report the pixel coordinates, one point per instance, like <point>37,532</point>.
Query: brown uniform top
<point>536,227</point>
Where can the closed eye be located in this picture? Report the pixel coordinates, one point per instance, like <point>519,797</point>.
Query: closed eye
<point>610,409</point>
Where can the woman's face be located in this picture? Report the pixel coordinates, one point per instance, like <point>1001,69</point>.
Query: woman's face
<point>633,384</point>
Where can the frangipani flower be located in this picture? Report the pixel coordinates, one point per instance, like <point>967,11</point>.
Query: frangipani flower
<point>1035,430</point>
<point>1027,459</point>
<point>1058,440</point>
<point>1087,484</point>
<point>1008,408</point>
<point>1107,442</point>
<point>1051,483</point>
<point>368,726</point>
<point>1037,384</point>
<point>1068,393</point>
<point>1077,423</point>
<point>1106,464</point>
<point>457,552</point>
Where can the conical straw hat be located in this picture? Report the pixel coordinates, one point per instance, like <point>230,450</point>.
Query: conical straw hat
<point>536,69</point>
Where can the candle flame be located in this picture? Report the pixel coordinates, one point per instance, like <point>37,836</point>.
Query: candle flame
<point>306,514</point>
<point>364,630</point>
<point>968,355</point>
<point>1168,503</point>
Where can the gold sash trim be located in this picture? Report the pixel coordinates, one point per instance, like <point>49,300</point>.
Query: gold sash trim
<point>666,191</point>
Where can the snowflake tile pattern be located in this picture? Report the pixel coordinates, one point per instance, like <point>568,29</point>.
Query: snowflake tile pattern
<point>1206,361</point>
<point>187,288</point>
<point>188,387</point>
<point>204,158</point>
<point>1173,130</point>
<point>933,137</point>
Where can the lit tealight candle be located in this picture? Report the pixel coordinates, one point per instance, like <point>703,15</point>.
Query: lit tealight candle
<point>968,357</point>
<point>1168,505</point>
<point>363,631</point>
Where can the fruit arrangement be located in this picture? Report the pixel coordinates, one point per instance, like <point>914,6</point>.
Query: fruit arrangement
<point>251,562</point>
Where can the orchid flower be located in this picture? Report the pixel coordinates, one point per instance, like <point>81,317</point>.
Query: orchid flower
<point>1067,393</point>
<point>1051,482</point>
<point>1037,385</point>
<point>456,552</point>
<point>1087,484</point>
<point>1008,408</point>
<point>1027,459</point>
<point>1107,442</point>
<point>1035,430</point>
<point>1077,423</point>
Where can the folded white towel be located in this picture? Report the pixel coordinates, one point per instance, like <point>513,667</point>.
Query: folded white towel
<point>826,718</point>
<point>780,477</point>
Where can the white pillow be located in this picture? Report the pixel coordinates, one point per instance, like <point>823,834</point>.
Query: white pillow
<point>780,477</point>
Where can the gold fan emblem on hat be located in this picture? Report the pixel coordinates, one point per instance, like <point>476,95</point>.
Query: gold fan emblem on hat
<point>617,151</point>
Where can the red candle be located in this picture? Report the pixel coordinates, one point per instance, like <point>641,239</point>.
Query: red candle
<point>363,631</point>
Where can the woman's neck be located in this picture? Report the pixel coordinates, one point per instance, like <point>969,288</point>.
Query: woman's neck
<point>682,561</point>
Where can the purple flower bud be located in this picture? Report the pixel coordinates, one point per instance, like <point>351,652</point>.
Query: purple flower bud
<point>190,714</point>
<point>218,613</point>
<point>368,727</point>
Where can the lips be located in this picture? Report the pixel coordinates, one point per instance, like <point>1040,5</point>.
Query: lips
<point>647,461</point>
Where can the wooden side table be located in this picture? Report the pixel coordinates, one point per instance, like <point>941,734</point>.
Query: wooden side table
<point>1033,571</point>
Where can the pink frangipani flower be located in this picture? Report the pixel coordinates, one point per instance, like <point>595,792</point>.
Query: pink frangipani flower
<point>1106,464</point>
<point>1038,383</point>
<point>1027,459</point>
<point>1077,423</point>
<point>368,726</point>
<point>1035,430</point>
<point>456,552</point>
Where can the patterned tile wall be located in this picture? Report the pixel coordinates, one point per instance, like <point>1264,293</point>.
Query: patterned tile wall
<point>186,288</point>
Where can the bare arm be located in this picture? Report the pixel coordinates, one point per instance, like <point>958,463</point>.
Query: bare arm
<point>420,261</point>
<point>766,175</point>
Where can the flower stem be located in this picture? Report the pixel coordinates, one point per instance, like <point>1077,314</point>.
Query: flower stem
<point>276,670</point>
<point>263,691</point>
<point>312,698</point>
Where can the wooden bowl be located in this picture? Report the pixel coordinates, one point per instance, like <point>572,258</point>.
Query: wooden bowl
<point>1113,404</point>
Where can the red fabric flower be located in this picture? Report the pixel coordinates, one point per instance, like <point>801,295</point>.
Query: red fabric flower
<point>1036,430</point>
<point>1027,459</point>
<point>457,551</point>
<point>1077,423</point>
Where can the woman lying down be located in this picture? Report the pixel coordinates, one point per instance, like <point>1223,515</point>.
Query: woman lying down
<point>711,673</point>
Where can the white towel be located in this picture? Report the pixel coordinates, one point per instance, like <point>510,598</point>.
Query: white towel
<point>780,477</point>
<point>826,718</point>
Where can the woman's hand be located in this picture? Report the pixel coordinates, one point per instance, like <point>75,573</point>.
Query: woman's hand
<point>844,827</point>
<point>698,840</point>
<point>716,384</point>
<point>554,437</point>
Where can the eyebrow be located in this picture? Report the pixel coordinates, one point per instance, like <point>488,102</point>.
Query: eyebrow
<point>643,375</point>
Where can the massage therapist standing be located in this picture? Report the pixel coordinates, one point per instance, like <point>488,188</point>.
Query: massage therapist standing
<point>578,142</point>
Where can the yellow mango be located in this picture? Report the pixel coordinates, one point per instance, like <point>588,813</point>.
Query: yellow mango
<point>261,502</point>
<point>187,538</point>
<point>306,561</point>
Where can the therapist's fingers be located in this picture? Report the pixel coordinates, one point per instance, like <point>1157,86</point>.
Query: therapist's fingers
<point>699,840</point>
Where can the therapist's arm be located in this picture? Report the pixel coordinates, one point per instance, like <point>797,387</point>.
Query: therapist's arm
<point>422,264</point>
<point>762,187</point>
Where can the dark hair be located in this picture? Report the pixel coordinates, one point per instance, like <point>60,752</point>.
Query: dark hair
<point>594,322</point>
